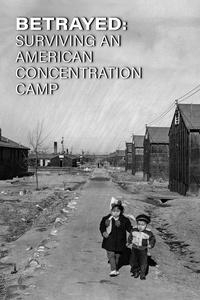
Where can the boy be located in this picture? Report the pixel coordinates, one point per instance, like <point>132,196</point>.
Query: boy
<point>141,238</point>
<point>113,228</point>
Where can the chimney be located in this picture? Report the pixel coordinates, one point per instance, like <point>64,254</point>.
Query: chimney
<point>55,148</point>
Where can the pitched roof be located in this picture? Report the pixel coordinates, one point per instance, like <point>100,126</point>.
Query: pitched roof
<point>158,135</point>
<point>42,155</point>
<point>117,153</point>
<point>72,156</point>
<point>191,115</point>
<point>50,156</point>
<point>120,152</point>
<point>7,143</point>
<point>138,140</point>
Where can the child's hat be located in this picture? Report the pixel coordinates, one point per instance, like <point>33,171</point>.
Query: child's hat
<point>144,218</point>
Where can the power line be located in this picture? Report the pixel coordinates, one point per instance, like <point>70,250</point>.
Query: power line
<point>189,96</point>
<point>188,92</point>
<point>163,114</point>
<point>159,119</point>
<point>180,99</point>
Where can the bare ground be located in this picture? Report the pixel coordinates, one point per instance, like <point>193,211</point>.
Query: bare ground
<point>175,220</point>
<point>27,216</point>
<point>59,255</point>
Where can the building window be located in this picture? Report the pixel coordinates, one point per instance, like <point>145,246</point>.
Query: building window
<point>139,151</point>
<point>177,118</point>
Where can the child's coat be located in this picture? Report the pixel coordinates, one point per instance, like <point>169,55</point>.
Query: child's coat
<point>116,240</point>
<point>141,240</point>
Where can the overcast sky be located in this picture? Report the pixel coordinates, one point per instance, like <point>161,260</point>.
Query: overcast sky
<point>100,115</point>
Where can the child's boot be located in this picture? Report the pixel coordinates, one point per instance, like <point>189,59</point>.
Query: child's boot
<point>113,273</point>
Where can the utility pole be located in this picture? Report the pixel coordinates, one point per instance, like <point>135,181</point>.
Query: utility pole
<point>62,143</point>
<point>133,156</point>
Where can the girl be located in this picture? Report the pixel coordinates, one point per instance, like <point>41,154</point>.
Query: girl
<point>113,228</point>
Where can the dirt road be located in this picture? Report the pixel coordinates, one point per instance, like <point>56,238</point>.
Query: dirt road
<point>77,268</point>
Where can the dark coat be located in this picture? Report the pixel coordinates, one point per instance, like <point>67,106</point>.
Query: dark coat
<point>116,240</point>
